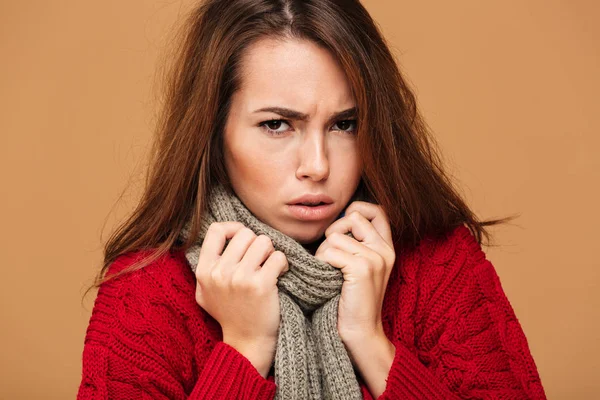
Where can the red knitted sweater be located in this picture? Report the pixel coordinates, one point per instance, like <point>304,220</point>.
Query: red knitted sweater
<point>455,333</point>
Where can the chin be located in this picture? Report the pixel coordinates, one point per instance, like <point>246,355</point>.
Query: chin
<point>303,232</point>
<point>306,236</point>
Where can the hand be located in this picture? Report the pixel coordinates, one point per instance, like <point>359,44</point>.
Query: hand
<point>366,263</point>
<point>240,294</point>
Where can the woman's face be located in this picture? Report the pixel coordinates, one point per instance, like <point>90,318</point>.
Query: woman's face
<point>308,149</point>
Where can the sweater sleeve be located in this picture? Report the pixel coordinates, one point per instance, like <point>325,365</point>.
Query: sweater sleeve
<point>138,345</point>
<point>468,341</point>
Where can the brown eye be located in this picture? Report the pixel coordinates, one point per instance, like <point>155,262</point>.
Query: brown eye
<point>346,124</point>
<point>273,126</point>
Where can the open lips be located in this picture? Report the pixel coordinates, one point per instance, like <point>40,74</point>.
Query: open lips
<point>312,207</point>
<point>312,200</point>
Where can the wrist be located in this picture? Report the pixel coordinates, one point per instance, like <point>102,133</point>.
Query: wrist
<point>373,358</point>
<point>358,338</point>
<point>260,353</point>
<point>364,343</point>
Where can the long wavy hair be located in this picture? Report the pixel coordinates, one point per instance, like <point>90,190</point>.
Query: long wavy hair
<point>403,170</point>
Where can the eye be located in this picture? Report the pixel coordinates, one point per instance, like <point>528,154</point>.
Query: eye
<point>273,126</point>
<point>344,125</point>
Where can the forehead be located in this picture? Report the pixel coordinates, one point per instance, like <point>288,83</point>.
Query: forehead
<point>292,71</point>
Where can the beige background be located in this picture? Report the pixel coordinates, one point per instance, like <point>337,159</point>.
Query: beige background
<point>509,87</point>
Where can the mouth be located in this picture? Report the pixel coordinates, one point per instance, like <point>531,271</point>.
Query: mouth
<point>312,207</point>
<point>310,204</point>
<point>312,212</point>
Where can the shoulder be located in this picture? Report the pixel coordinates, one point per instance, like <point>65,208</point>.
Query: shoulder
<point>456,244</point>
<point>168,278</point>
<point>145,328</point>
<point>158,296</point>
<point>455,249</point>
<point>442,268</point>
<point>454,261</point>
<point>427,275</point>
<point>168,281</point>
<point>452,276</point>
<point>170,265</point>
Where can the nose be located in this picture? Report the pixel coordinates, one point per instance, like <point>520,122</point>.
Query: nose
<point>313,162</point>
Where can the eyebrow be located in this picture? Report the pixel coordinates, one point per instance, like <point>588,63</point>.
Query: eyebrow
<point>298,116</point>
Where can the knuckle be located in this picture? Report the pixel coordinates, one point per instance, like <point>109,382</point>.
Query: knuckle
<point>380,264</point>
<point>214,275</point>
<point>202,270</point>
<point>257,287</point>
<point>265,240</point>
<point>334,237</point>
<point>338,237</point>
<point>243,283</point>
<point>247,232</point>
<point>238,280</point>
<point>328,251</point>
<point>218,278</point>
<point>279,256</point>
<point>215,227</point>
<point>355,216</point>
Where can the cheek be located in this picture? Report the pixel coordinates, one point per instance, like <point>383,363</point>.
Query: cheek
<point>347,164</point>
<point>249,162</point>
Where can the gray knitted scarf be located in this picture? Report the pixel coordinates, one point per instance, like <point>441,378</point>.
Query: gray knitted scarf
<point>311,361</point>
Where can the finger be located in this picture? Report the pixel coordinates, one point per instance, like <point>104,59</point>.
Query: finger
<point>217,235</point>
<point>355,269</point>
<point>260,249</point>
<point>275,266</point>
<point>338,259</point>
<point>376,215</point>
<point>364,231</point>
<point>361,228</point>
<point>348,245</point>
<point>236,249</point>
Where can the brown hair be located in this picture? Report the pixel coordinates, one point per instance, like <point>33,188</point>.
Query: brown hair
<point>402,168</point>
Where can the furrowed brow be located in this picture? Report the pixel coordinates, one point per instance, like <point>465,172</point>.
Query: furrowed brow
<point>342,115</point>
<point>298,116</point>
<point>285,112</point>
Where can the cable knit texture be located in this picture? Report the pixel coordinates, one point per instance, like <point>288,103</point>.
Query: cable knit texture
<point>455,333</point>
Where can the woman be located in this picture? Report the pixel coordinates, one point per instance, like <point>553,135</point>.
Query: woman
<point>298,238</point>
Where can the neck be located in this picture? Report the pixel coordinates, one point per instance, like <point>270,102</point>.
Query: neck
<point>313,246</point>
